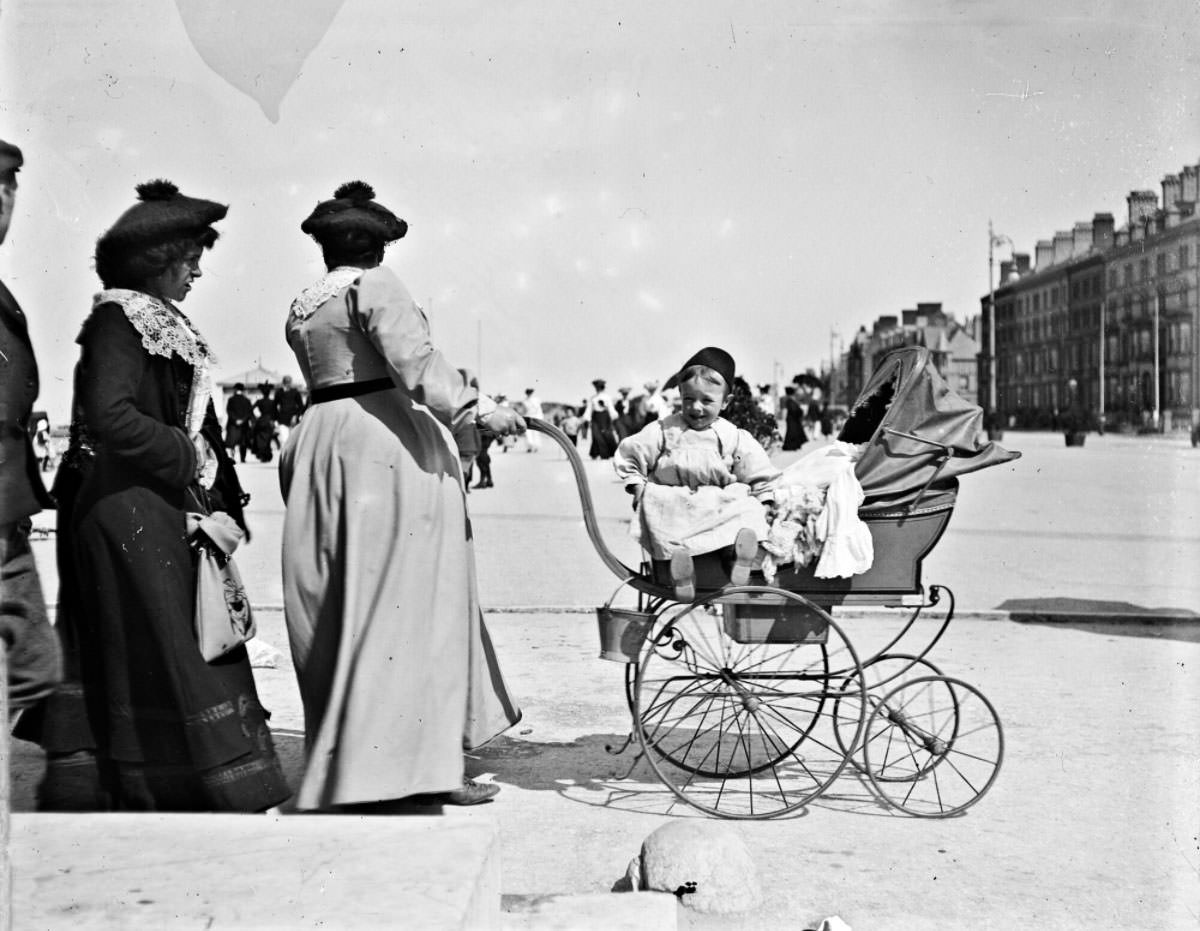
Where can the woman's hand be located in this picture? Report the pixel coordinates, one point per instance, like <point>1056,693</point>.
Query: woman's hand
<point>503,421</point>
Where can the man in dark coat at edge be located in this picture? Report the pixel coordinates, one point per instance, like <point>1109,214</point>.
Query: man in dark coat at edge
<point>34,654</point>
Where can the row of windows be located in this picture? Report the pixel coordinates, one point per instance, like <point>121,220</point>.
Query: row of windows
<point>1137,390</point>
<point>1164,261</point>
<point>1129,345</point>
<point>1127,273</point>
<point>1131,307</point>
<point>1120,347</point>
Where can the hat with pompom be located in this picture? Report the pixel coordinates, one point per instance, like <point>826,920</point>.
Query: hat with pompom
<point>161,214</point>
<point>353,208</point>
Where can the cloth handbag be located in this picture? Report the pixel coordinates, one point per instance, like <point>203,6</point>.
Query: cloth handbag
<point>223,617</point>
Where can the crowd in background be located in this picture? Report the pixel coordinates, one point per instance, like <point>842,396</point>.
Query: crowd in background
<point>262,426</point>
<point>602,419</point>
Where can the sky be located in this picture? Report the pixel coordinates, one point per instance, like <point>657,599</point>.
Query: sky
<point>594,189</point>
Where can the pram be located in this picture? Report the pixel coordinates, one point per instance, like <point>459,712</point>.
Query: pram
<point>751,701</point>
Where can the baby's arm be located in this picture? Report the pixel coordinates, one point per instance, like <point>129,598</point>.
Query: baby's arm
<point>753,466</point>
<point>635,457</point>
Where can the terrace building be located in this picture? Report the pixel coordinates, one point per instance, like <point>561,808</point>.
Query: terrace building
<point>1105,320</point>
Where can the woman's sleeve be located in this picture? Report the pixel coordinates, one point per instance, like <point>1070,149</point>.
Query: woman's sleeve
<point>113,365</point>
<point>382,307</point>
<point>636,455</point>
<point>753,466</point>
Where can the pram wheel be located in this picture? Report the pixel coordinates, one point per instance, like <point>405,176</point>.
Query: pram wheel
<point>742,726</point>
<point>882,674</point>
<point>933,746</point>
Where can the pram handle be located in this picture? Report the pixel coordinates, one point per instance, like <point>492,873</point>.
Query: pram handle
<point>634,578</point>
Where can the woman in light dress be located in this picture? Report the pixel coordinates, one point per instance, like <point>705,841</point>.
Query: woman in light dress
<point>396,670</point>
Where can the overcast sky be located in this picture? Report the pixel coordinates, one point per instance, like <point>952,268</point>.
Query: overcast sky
<point>593,189</point>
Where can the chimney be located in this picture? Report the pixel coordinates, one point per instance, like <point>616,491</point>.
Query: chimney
<point>1102,231</point>
<point>1188,184</point>
<point>1172,187</point>
<point>931,311</point>
<point>1082,234</point>
<point>1006,270</point>
<point>1142,204</point>
<point>885,324</point>
<point>1064,242</point>
<point>908,317</point>
<point>1022,260</point>
<point>1045,254</point>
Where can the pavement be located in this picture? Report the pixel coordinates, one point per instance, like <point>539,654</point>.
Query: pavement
<point>1074,571</point>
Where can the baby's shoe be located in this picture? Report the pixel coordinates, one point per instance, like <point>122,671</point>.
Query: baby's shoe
<point>683,575</point>
<point>745,548</point>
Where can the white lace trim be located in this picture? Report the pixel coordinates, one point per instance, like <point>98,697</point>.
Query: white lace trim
<point>166,331</point>
<point>325,287</point>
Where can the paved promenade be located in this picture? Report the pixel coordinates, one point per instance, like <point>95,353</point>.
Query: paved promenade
<point>1092,822</point>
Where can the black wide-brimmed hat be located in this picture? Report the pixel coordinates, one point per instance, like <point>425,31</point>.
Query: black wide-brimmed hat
<point>711,357</point>
<point>353,208</point>
<point>161,214</point>
<point>599,383</point>
<point>11,158</point>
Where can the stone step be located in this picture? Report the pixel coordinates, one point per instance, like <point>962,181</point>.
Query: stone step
<point>130,871</point>
<point>612,911</point>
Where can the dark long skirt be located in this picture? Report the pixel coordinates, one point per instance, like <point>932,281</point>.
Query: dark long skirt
<point>142,722</point>
<point>794,436</point>
<point>604,437</point>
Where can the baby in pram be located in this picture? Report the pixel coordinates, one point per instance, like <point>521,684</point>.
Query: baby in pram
<point>700,484</point>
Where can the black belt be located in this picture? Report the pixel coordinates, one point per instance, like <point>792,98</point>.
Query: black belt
<point>349,389</point>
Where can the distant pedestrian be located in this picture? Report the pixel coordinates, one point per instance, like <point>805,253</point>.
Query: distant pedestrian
<point>626,422</point>
<point>571,423</point>
<point>599,417</point>
<point>654,406</point>
<point>289,405</point>
<point>483,459</point>
<point>533,408</point>
<point>264,440</point>
<point>239,418</point>
<point>793,420</point>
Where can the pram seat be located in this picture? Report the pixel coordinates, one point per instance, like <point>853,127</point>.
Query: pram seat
<point>901,539</point>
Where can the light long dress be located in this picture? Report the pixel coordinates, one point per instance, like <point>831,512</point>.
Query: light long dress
<point>395,667</point>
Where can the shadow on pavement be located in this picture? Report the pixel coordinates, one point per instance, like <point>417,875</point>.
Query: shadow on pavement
<point>585,772</point>
<point>1110,618</point>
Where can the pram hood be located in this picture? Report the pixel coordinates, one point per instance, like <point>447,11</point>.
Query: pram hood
<point>919,435</point>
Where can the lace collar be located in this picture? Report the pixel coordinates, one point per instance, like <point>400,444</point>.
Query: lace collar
<point>166,331</point>
<point>325,287</point>
<point>163,328</point>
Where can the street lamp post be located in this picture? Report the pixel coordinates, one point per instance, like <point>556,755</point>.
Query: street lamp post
<point>994,429</point>
<point>1157,398</point>
<point>1101,385</point>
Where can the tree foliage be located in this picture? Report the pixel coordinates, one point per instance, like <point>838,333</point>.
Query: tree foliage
<point>743,411</point>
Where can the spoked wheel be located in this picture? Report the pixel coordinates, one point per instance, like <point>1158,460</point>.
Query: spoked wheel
<point>744,729</point>
<point>882,674</point>
<point>933,746</point>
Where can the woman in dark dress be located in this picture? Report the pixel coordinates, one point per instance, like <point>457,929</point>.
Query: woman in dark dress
<point>793,420</point>
<point>142,721</point>
<point>600,415</point>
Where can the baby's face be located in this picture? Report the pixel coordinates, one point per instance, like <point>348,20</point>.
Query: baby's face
<point>702,402</point>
